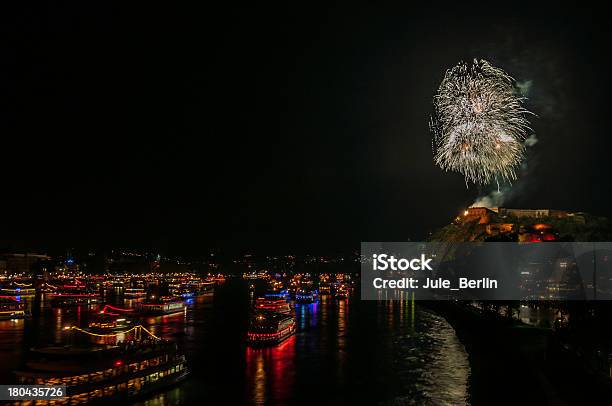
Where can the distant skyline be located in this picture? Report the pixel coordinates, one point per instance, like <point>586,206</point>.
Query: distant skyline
<point>276,129</point>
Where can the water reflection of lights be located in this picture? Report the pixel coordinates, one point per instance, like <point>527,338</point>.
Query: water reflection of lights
<point>412,311</point>
<point>390,315</point>
<point>341,338</point>
<point>259,390</point>
<point>302,316</point>
<point>342,313</point>
<point>271,372</point>
<point>12,324</point>
<point>313,309</point>
<point>58,322</point>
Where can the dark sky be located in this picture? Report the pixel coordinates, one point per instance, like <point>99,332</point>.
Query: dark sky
<point>303,129</point>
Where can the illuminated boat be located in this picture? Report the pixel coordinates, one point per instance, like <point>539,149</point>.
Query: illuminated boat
<point>46,287</point>
<point>164,306</point>
<point>134,293</point>
<point>278,305</point>
<point>193,288</point>
<point>277,290</point>
<point>18,289</point>
<point>11,308</point>
<point>280,294</point>
<point>341,292</point>
<point>104,323</point>
<point>249,275</point>
<point>187,293</point>
<point>73,295</point>
<point>205,288</point>
<point>305,296</point>
<point>324,289</point>
<point>105,373</point>
<point>269,328</point>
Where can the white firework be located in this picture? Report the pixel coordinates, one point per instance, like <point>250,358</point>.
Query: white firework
<point>479,123</point>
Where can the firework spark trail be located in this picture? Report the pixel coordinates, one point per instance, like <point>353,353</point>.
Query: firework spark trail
<point>479,124</point>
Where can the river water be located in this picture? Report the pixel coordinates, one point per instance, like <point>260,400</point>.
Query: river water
<point>345,351</point>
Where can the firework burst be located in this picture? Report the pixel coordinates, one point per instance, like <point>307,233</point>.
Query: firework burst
<point>479,124</point>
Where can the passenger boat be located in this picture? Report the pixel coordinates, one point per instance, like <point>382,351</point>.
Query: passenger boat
<point>341,292</point>
<point>205,288</point>
<point>273,304</point>
<point>324,289</point>
<point>18,289</point>
<point>98,374</point>
<point>305,296</point>
<point>166,305</point>
<point>104,323</point>
<point>193,288</point>
<point>46,287</point>
<point>249,275</point>
<point>186,293</point>
<point>219,278</point>
<point>134,293</point>
<point>74,295</point>
<point>269,328</point>
<point>278,294</point>
<point>277,290</point>
<point>11,308</point>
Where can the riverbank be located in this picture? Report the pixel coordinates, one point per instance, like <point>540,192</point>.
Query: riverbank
<point>513,363</point>
<point>506,359</point>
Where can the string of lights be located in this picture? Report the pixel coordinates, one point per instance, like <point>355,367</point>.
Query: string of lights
<point>148,332</point>
<point>138,327</point>
<point>119,309</point>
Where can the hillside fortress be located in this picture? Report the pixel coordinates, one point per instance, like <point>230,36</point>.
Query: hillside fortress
<point>504,222</point>
<point>483,214</point>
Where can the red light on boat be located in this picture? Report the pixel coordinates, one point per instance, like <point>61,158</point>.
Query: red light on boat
<point>118,363</point>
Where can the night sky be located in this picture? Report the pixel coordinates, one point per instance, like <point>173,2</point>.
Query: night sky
<point>275,129</point>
